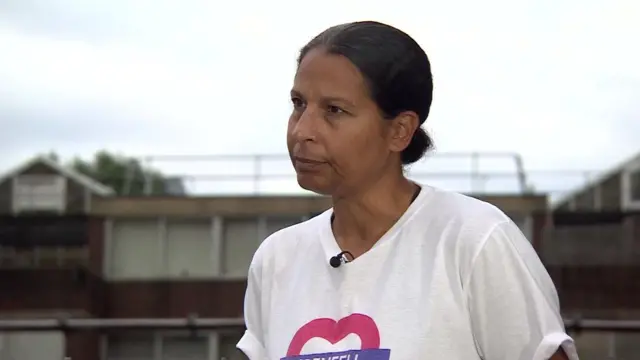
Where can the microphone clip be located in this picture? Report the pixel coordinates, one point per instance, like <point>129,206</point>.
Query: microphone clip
<point>340,259</point>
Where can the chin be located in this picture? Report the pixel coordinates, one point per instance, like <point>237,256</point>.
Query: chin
<point>313,184</point>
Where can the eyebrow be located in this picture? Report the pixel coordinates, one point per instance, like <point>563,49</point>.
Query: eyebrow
<point>348,103</point>
<point>340,100</point>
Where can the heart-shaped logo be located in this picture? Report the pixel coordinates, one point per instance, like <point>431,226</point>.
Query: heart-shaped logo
<point>334,331</point>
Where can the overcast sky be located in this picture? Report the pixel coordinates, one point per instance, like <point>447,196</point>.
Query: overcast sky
<point>557,81</point>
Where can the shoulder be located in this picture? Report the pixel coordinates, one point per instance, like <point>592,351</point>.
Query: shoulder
<point>469,219</point>
<point>285,243</point>
<point>464,225</point>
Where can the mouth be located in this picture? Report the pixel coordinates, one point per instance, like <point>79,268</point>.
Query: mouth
<point>307,161</point>
<point>304,165</point>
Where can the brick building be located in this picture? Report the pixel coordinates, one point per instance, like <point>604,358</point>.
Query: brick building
<point>592,243</point>
<point>69,247</point>
<point>46,252</point>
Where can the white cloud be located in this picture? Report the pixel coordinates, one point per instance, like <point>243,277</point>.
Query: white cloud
<point>553,80</point>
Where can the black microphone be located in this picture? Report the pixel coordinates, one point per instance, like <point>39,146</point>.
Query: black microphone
<point>339,259</point>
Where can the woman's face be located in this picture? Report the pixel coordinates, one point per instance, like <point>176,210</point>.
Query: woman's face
<point>337,138</point>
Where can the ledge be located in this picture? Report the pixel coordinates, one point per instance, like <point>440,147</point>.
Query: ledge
<point>263,205</point>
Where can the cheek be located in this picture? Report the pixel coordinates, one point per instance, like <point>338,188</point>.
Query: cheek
<point>290,127</point>
<point>355,154</point>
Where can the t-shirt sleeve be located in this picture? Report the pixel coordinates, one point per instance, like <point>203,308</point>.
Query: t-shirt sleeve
<point>252,342</point>
<point>513,303</point>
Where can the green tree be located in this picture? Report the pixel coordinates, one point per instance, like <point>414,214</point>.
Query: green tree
<point>126,175</point>
<point>51,155</point>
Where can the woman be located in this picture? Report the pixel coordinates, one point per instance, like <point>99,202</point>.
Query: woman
<point>428,274</point>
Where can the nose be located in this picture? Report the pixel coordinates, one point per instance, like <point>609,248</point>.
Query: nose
<point>305,128</point>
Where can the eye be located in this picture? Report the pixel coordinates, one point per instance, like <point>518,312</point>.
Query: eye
<point>334,110</point>
<point>298,103</point>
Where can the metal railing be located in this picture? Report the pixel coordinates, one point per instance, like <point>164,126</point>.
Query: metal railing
<point>472,172</point>
<point>259,169</point>
<point>35,257</point>
<point>595,339</point>
<point>65,324</point>
<point>194,323</point>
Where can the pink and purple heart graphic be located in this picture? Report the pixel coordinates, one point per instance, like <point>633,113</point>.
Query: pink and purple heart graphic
<point>333,331</point>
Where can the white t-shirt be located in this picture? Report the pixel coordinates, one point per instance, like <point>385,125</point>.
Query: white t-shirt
<point>453,279</point>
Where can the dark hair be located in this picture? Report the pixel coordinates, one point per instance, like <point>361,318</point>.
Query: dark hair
<point>395,67</point>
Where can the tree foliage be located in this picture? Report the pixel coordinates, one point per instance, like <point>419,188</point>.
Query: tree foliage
<point>126,175</point>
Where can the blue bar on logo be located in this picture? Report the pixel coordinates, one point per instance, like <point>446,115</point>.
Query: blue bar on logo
<point>367,354</point>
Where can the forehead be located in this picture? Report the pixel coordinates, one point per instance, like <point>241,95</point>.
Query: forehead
<point>321,74</point>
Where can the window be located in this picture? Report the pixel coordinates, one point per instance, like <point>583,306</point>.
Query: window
<point>524,223</point>
<point>227,348</point>
<point>593,345</point>
<point>278,223</point>
<point>240,241</point>
<point>57,256</point>
<point>189,248</point>
<point>186,248</point>
<point>20,345</point>
<point>135,249</point>
<point>634,180</point>
<point>130,348</point>
<point>630,184</point>
<point>627,345</point>
<point>156,346</point>
<point>185,348</point>
<point>39,193</point>
<point>242,237</point>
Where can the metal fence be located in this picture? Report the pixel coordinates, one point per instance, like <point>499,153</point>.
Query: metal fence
<point>193,323</point>
<point>596,339</point>
<point>472,172</point>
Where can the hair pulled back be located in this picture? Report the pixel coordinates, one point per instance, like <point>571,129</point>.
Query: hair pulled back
<point>396,69</point>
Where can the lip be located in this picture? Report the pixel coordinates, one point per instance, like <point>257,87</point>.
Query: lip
<point>307,161</point>
<point>307,165</point>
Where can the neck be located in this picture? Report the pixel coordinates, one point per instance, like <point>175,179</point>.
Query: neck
<point>361,219</point>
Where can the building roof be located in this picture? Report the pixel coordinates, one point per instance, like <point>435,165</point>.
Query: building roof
<point>174,186</point>
<point>602,177</point>
<point>71,174</point>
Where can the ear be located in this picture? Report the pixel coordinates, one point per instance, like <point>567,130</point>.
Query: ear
<point>401,132</point>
